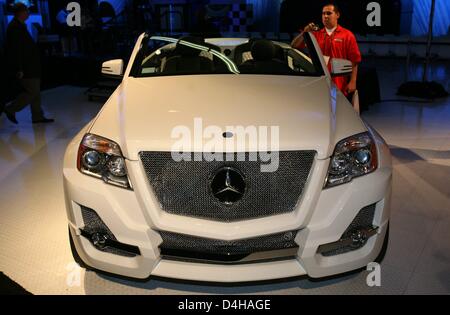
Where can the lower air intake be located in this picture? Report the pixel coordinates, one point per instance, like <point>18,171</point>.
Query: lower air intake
<point>186,246</point>
<point>363,221</point>
<point>93,225</point>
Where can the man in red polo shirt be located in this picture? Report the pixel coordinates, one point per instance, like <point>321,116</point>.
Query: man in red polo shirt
<point>335,42</point>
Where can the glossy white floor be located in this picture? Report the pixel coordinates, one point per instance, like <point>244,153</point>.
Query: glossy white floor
<point>34,247</point>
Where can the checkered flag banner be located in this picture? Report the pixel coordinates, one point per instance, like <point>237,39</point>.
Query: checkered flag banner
<point>241,17</point>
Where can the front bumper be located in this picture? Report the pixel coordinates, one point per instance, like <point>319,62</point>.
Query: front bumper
<point>135,218</point>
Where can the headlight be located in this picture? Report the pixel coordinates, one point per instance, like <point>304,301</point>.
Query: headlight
<point>353,157</point>
<point>102,158</point>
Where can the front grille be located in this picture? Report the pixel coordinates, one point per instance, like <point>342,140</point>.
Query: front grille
<point>187,246</point>
<point>183,188</point>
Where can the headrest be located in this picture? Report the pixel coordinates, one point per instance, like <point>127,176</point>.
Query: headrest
<point>184,50</point>
<point>263,50</point>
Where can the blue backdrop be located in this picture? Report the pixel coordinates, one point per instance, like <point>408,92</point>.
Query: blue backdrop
<point>421,17</point>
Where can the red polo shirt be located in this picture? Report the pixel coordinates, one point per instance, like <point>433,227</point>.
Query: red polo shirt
<point>340,44</point>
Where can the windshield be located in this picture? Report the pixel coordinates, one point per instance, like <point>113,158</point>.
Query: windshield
<point>165,56</point>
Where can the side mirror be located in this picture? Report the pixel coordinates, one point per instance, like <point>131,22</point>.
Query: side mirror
<point>113,68</point>
<point>341,67</point>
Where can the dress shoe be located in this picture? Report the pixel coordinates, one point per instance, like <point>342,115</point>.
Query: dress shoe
<point>43,121</point>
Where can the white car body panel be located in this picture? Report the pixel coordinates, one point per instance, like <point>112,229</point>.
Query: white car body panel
<point>154,107</point>
<point>312,115</point>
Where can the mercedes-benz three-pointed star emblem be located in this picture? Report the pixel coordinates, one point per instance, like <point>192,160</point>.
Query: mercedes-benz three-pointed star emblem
<point>228,185</point>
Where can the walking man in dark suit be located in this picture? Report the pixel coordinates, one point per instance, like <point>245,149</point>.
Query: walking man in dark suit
<point>24,64</point>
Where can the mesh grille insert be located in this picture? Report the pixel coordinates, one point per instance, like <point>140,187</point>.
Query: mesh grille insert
<point>183,188</point>
<point>185,245</point>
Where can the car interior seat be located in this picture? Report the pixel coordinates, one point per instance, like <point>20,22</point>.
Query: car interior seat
<point>219,64</point>
<point>240,50</point>
<point>266,59</point>
<point>187,59</point>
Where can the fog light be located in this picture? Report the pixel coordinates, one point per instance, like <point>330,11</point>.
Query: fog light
<point>99,240</point>
<point>359,238</point>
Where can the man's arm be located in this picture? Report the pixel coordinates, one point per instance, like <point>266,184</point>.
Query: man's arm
<point>354,55</point>
<point>351,86</point>
<point>299,39</point>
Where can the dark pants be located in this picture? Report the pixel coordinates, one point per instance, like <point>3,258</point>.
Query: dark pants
<point>31,94</point>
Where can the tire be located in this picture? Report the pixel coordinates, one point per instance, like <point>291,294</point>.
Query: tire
<point>75,255</point>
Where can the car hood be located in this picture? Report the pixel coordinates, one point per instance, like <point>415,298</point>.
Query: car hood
<point>147,114</point>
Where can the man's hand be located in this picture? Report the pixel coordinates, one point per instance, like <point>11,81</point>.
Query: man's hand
<point>310,27</point>
<point>19,75</point>
<point>351,87</point>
